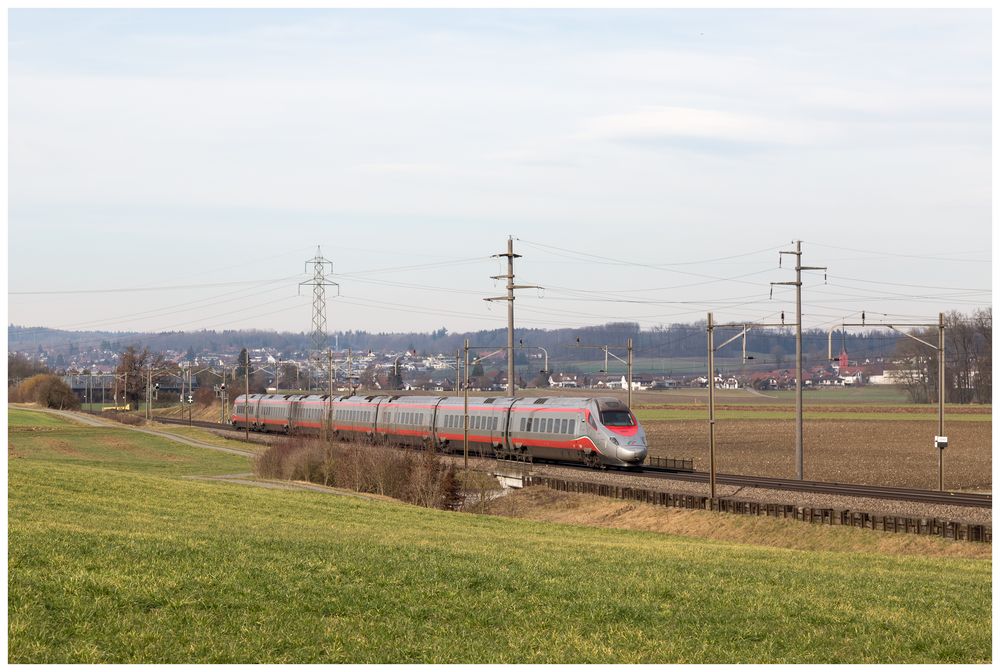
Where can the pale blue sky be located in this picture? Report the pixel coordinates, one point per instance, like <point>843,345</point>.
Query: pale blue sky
<point>161,148</point>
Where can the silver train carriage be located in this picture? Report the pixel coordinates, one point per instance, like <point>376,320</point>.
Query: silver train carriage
<point>595,431</point>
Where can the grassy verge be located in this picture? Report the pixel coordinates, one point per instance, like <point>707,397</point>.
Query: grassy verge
<point>115,558</point>
<point>542,504</point>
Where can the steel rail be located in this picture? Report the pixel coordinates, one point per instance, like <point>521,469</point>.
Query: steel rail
<point>849,489</point>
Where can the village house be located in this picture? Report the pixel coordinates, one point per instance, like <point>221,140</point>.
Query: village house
<point>562,380</point>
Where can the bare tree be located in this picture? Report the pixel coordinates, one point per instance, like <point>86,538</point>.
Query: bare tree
<point>133,367</point>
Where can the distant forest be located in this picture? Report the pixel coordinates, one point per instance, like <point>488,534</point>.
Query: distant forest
<point>771,346</point>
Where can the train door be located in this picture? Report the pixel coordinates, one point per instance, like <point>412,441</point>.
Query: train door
<point>507,427</point>
<point>376,417</point>
<point>255,411</point>
<point>435,419</point>
<point>294,408</point>
<point>373,420</point>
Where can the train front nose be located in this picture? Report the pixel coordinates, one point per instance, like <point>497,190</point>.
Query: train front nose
<point>632,451</point>
<point>632,454</point>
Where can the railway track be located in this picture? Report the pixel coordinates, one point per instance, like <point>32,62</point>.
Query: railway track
<point>846,489</point>
<point>197,423</point>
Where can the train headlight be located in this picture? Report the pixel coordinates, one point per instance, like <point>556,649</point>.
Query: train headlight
<point>614,441</point>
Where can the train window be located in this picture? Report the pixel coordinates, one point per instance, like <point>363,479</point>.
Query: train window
<point>548,426</point>
<point>565,425</point>
<point>572,426</point>
<point>496,421</point>
<point>522,424</point>
<point>616,419</point>
<point>529,424</point>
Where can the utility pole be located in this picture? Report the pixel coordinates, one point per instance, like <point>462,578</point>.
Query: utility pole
<point>329,399</point>
<point>246,412</point>
<point>465,414</point>
<point>627,362</point>
<point>319,283</point>
<point>711,408</point>
<point>350,371</point>
<point>149,391</point>
<point>222,413</point>
<point>712,348</point>
<point>510,307</point>
<point>940,440</point>
<point>798,344</point>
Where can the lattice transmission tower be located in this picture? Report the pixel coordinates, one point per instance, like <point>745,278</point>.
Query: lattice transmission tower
<point>319,283</point>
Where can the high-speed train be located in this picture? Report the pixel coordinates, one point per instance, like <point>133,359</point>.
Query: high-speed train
<point>595,431</point>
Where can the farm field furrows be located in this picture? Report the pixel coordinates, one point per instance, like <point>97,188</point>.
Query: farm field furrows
<point>878,452</point>
<point>116,556</point>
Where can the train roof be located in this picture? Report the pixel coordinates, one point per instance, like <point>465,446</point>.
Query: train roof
<point>603,403</point>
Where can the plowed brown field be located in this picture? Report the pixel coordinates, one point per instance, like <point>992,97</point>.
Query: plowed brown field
<point>896,452</point>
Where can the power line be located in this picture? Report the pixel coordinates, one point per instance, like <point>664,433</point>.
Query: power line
<point>661,265</point>
<point>906,256</point>
<point>119,290</point>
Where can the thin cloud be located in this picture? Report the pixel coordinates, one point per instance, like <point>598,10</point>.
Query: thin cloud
<point>695,127</point>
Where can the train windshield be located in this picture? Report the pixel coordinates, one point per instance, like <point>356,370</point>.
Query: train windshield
<point>616,419</point>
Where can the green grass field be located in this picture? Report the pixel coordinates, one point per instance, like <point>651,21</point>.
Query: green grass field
<point>115,556</point>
